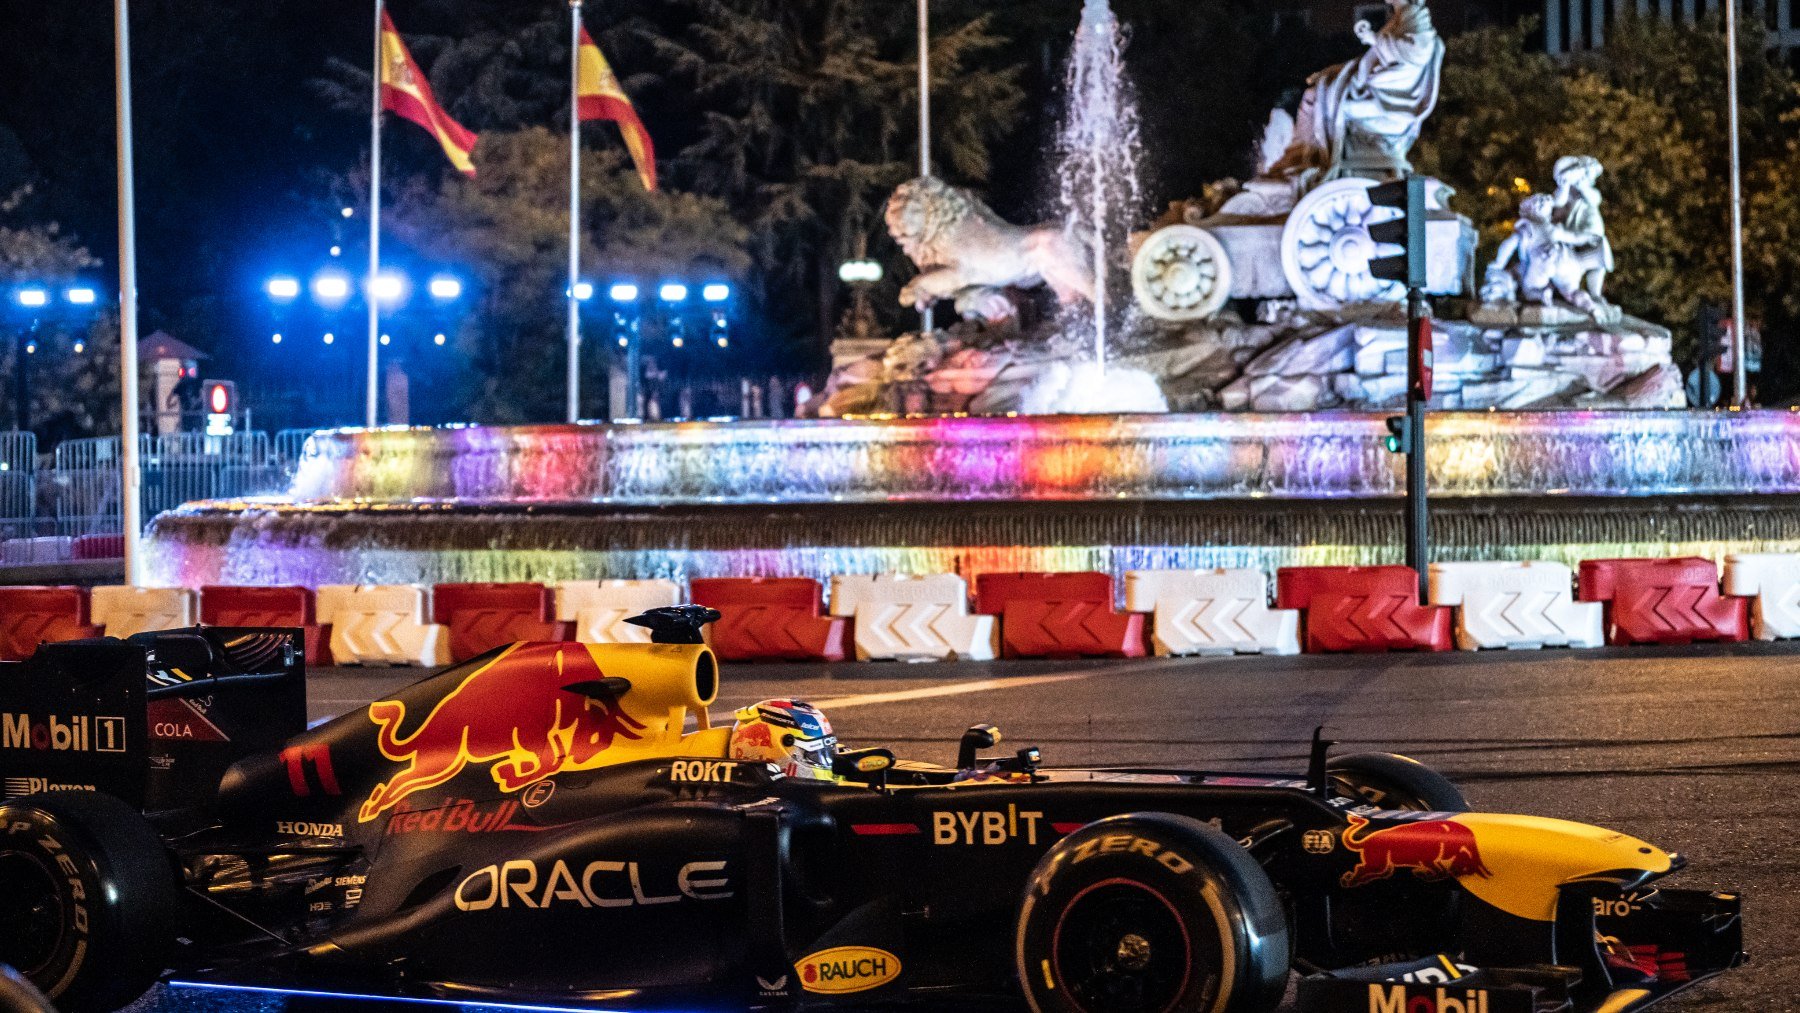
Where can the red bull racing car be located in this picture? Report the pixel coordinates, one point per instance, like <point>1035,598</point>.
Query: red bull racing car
<point>564,823</point>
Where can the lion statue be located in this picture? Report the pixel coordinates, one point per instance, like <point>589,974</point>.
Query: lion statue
<point>966,252</point>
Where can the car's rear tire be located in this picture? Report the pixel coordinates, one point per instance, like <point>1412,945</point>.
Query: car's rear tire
<point>87,898</point>
<point>1392,781</point>
<point>1151,913</point>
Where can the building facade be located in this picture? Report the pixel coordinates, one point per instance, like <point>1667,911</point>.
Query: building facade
<point>1330,17</point>
<point>1574,26</point>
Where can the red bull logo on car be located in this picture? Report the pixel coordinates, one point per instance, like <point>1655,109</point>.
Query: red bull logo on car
<point>1429,849</point>
<point>525,713</point>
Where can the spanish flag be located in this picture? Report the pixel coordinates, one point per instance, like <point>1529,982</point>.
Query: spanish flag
<point>599,97</point>
<point>405,91</point>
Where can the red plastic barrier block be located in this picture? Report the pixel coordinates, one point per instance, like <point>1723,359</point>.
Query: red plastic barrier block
<point>771,619</point>
<point>30,616</point>
<point>1362,609</point>
<point>994,591</point>
<point>224,605</point>
<point>482,617</point>
<point>98,547</point>
<point>1059,615</point>
<point>1663,601</point>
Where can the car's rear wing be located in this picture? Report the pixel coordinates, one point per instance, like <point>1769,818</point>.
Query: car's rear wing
<point>154,720</point>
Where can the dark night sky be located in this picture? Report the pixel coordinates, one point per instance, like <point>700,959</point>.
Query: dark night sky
<point>235,150</point>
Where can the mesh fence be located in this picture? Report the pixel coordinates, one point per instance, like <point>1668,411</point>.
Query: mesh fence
<point>83,484</point>
<point>18,487</point>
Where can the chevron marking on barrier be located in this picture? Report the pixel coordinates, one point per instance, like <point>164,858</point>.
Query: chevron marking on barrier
<point>1778,615</point>
<point>1679,610</point>
<point>601,624</point>
<point>1211,625</point>
<point>1373,616</point>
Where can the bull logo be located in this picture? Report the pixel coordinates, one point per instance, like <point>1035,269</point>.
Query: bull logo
<point>535,710</point>
<point>1430,849</point>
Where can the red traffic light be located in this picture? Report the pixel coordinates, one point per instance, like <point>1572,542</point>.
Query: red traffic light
<point>221,396</point>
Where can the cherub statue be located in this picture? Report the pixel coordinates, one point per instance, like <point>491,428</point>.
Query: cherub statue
<point>1560,246</point>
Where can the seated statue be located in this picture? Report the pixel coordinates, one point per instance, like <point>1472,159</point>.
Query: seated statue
<point>1357,119</point>
<point>964,251</point>
<point>1558,248</point>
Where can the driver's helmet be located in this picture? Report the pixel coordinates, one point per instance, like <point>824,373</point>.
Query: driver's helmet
<point>794,736</point>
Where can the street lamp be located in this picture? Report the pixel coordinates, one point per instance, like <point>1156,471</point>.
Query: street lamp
<point>331,287</point>
<point>624,292</point>
<point>716,292</point>
<point>80,295</point>
<point>388,287</point>
<point>444,288</point>
<point>283,288</point>
<point>583,291</point>
<point>33,297</point>
<point>673,292</point>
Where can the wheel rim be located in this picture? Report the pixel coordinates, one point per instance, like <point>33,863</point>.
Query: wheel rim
<point>1120,946</point>
<point>33,927</point>
<point>1326,249</point>
<point>1378,792</point>
<point>1181,273</point>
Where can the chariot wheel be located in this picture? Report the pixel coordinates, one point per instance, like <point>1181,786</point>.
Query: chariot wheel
<point>1326,249</point>
<point>1181,273</point>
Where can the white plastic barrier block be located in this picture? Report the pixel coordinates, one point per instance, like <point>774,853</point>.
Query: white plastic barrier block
<point>1772,579</point>
<point>1211,612</point>
<point>908,618</point>
<point>599,608</point>
<point>128,611</point>
<point>1521,606</point>
<point>387,624</point>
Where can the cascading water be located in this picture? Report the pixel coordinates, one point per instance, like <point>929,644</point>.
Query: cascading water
<point>1099,151</point>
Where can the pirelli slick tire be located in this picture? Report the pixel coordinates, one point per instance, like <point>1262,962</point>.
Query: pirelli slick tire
<point>1151,913</point>
<point>1392,781</point>
<point>87,898</point>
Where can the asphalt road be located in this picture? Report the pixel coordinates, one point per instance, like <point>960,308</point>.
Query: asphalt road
<point>1694,749</point>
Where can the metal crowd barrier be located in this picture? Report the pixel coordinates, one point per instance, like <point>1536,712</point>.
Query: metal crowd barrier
<point>73,507</point>
<point>18,493</point>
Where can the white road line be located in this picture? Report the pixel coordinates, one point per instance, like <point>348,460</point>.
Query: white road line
<point>981,686</point>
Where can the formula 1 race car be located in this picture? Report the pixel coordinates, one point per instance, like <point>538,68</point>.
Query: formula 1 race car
<point>561,823</point>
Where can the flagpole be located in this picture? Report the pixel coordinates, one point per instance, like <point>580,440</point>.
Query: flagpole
<point>926,317</point>
<point>131,480</point>
<point>372,406</point>
<point>1740,387</point>
<point>574,209</point>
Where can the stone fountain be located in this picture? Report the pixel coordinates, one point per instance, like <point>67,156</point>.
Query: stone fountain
<point>1258,296</point>
<point>1245,312</point>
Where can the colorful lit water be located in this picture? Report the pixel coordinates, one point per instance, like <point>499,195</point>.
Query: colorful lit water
<point>970,495</point>
<point>1099,457</point>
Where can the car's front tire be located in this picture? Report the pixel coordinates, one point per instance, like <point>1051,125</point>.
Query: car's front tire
<point>1151,913</point>
<point>1392,781</point>
<point>87,897</point>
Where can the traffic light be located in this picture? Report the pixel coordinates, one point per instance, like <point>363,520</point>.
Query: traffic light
<point>1399,438</point>
<point>1405,230</point>
<point>221,397</point>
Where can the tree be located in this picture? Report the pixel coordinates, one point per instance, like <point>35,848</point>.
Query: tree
<point>807,112</point>
<point>74,370</point>
<point>509,225</point>
<point>1650,106</point>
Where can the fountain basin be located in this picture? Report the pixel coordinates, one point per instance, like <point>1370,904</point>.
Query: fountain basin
<point>1149,457</point>
<point>967,495</point>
